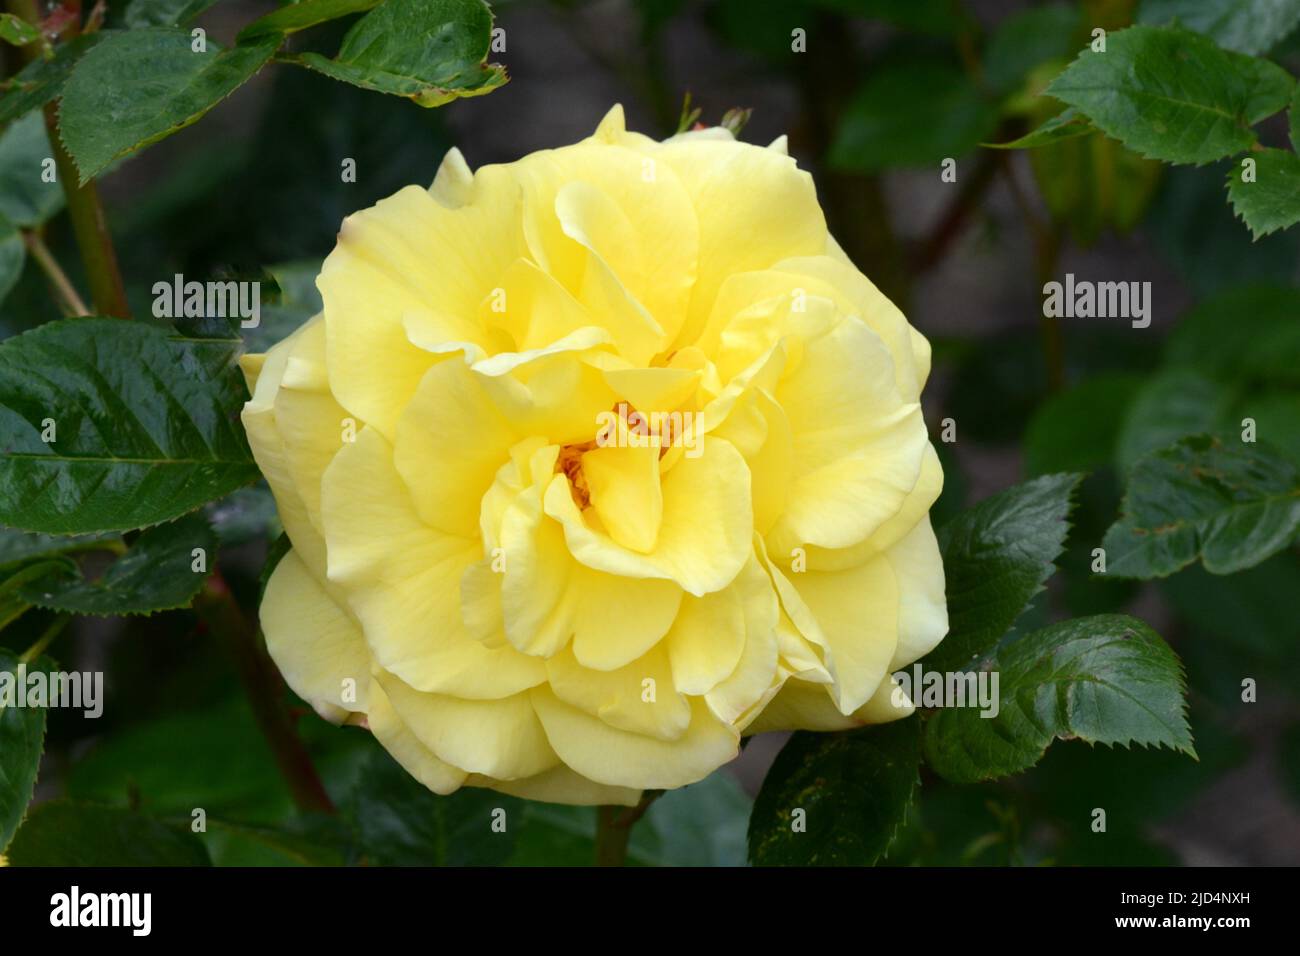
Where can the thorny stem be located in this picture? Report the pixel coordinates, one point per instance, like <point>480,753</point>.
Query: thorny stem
<point>218,609</point>
<point>614,828</point>
<point>94,241</point>
<point>65,291</point>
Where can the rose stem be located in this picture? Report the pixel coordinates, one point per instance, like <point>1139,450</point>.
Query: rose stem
<point>614,828</point>
<point>216,606</point>
<point>94,241</point>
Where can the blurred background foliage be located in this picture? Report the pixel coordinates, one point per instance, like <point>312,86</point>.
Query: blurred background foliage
<point>885,92</point>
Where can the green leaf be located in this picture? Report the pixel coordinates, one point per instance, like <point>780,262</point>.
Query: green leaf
<point>298,301</point>
<point>1065,125</point>
<point>13,255</point>
<point>854,789</point>
<point>1077,430</point>
<point>1293,120</point>
<point>246,514</point>
<point>146,426</point>
<point>1272,200</point>
<point>17,31</point>
<point>26,199</point>
<point>1195,231</point>
<point>912,113</point>
<point>300,16</point>
<point>141,86</point>
<point>1229,503</point>
<point>22,740</point>
<point>156,574</point>
<point>60,833</point>
<point>1173,95</point>
<point>996,557</point>
<point>1241,610</point>
<point>431,51</point>
<point>1246,334</point>
<point>42,80</point>
<point>1107,679</point>
<point>1027,40</point>
<point>214,757</point>
<point>17,547</point>
<point>1169,406</point>
<point>163,13</point>
<point>1247,26</point>
<point>698,825</point>
<point>402,823</point>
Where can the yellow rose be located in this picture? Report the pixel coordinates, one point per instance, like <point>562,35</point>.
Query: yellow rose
<point>593,463</point>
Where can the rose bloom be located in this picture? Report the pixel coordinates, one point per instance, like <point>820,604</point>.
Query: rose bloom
<point>593,463</point>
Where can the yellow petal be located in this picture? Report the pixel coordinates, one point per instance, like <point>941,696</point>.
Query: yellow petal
<point>315,643</point>
<point>739,190</point>
<point>397,738</point>
<point>625,493</point>
<point>561,785</point>
<point>638,697</point>
<point>402,580</point>
<point>858,448</point>
<point>397,262</point>
<point>451,439</point>
<point>754,680</point>
<point>498,738</point>
<point>704,537</point>
<point>608,755</point>
<point>706,640</point>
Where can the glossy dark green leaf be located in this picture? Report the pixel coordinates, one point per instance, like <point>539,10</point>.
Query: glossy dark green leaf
<point>42,80</point>
<point>1107,679</point>
<point>157,573</point>
<point>61,833</point>
<point>1173,95</point>
<point>912,112</point>
<point>146,426</point>
<point>17,547</point>
<point>431,51</point>
<point>26,199</point>
<point>1268,199</point>
<point>402,823</point>
<point>163,13</point>
<point>1247,26</point>
<point>1065,125</point>
<point>1230,503</point>
<point>853,788</point>
<point>1168,406</point>
<point>300,16</point>
<point>996,557</point>
<point>22,740</point>
<point>140,86</point>
<point>1077,430</point>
